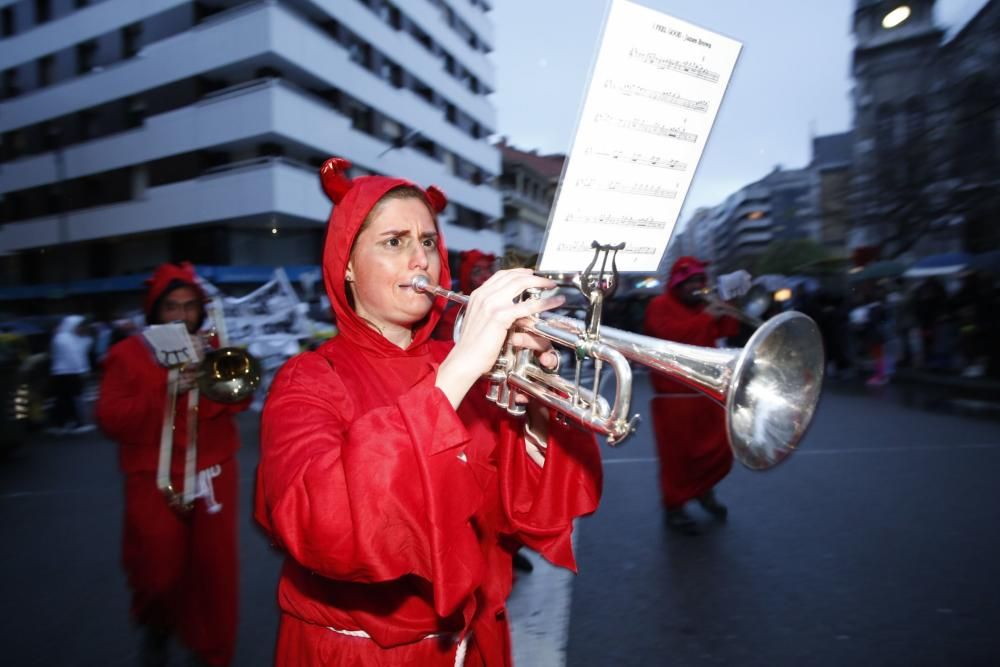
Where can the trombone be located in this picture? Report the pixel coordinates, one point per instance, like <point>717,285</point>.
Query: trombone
<point>754,304</point>
<point>769,388</point>
<point>227,374</point>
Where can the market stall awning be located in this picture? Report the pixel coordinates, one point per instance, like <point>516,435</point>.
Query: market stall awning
<point>944,264</point>
<point>886,268</point>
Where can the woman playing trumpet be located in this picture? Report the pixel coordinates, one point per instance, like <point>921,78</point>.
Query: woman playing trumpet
<point>397,491</point>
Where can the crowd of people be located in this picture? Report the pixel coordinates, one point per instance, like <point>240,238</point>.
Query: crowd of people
<point>919,325</point>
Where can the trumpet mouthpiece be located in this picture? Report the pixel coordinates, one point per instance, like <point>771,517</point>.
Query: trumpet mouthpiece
<point>420,282</point>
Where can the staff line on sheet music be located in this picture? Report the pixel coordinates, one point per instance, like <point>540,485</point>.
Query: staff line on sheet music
<point>644,189</point>
<point>665,96</point>
<point>611,219</point>
<point>686,67</point>
<point>648,127</point>
<point>639,158</point>
<point>585,247</point>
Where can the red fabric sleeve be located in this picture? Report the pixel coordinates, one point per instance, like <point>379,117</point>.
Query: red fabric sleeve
<point>541,503</point>
<point>727,326</point>
<point>130,397</point>
<point>369,497</point>
<point>212,409</point>
<point>666,318</point>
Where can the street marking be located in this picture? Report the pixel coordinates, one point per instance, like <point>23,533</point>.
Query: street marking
<point>538,608</point>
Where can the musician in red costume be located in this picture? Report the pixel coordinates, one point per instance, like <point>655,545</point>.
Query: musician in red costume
<point>690,427</point>
<point>181,564</point>
<point>398,492</point>
<point>474,269</point>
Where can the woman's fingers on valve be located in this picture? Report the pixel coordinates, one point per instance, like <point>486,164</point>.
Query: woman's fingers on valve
<point>549,359</point>
<point>499,298</point>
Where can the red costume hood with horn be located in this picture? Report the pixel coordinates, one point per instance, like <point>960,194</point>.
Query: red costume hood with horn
<point>398,512</point>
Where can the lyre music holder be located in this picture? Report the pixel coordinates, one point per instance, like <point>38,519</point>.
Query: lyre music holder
<point>598,285</point>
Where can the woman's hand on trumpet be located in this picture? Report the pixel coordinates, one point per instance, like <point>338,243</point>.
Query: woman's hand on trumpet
<point>492,311</point>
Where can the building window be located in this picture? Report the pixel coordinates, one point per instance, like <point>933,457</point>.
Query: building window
<point>43,11</point>
<point>45,65</point>
<point>85,52</point>
<point>130,39</point>
<point>361,53</point>
<point>86,124</point>
<point>7,21</point>
<point>10,87</point>
<point>362,119</point>
<point>135,112</point>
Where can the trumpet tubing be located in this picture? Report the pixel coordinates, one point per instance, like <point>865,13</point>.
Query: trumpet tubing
<point>769,388</point>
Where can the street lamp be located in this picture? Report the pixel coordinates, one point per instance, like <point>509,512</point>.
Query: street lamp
<point>896,17</point>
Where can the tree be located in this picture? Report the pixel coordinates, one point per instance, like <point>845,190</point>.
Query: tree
<point>789,257</point>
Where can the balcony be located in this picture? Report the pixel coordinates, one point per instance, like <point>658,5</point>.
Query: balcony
<point>101,18</point>
<point>244,115</point>
<point>250,190</point>
<point>255,35</point>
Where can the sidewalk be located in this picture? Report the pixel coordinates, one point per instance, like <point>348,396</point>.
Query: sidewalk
<point>932,389</point>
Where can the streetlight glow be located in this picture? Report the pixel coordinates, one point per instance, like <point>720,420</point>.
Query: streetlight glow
<point>895,17</point>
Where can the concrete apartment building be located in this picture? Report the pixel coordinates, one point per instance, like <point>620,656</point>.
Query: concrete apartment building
<point>133,133</point>
<point>528,184</point>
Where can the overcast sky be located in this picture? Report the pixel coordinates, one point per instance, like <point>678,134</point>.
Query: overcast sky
<point>792,79</point>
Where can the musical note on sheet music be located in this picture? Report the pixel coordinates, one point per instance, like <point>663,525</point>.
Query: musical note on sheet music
<point>612,219</point>
<point>685,67</point>
<point>664,96</point>
<point>647,126</point>
<point>645,189</point>
<point>647,159</point>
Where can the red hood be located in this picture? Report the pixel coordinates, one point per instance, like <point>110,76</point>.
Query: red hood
<point>161,279</point>
<point>684,268</point>
<point>470,259</point>
<point>353,200</point>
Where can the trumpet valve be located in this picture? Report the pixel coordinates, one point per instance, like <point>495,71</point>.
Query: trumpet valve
<point>493,391</point>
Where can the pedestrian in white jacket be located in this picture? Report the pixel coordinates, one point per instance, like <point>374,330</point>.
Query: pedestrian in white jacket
<point>70,359</point>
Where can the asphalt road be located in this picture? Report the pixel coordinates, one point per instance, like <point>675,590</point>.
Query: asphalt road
<point>876,544</point>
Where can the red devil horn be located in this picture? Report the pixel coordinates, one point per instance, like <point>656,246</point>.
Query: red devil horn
<point>333,173</point>
<point>436,198</point>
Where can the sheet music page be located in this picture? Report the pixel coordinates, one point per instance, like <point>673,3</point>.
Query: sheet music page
<point>171,344</point>
<point>654,93</point>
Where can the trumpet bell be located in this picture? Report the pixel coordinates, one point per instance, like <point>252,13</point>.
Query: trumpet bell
<point>769,388</point>
<point>776,383</point>
<point>229,375</point>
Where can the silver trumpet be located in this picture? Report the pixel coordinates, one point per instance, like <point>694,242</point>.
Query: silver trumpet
<point>769,388</point>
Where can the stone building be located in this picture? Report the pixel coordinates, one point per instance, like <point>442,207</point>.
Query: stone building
<point>926,120</point>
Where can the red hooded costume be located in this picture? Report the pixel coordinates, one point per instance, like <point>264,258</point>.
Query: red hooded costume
<point>690,427</point>
<point>471,259</point>
<point>182,568</point>
<point>399,514</point>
